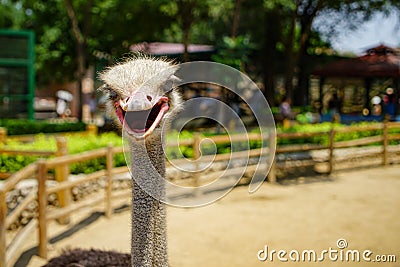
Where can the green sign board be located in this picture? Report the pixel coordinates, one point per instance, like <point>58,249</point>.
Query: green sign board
<point>17,76</point>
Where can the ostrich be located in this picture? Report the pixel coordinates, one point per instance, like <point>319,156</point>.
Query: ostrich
<point>141,98</point>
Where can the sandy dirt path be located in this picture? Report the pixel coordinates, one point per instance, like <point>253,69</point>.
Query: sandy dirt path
<point>362,207</point>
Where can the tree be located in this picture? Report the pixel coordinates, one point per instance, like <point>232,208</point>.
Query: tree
<point>290,32</point>
<point>71,33</point>
<point>186,14</point>
<point>10,15</point>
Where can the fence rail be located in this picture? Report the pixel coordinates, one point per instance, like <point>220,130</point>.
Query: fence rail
<point>382,139</point>
<point>9,252</point>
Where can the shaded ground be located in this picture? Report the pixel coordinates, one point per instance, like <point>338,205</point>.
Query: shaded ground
<point>363,207</point>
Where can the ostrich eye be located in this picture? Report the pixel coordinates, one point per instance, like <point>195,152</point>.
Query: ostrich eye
<point>113,95</point>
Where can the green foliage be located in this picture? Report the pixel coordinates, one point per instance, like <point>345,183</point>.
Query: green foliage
<point>20,127</point>
<point>307,128</point>
<point>75,144</point>
<point>181,151</point>
<point>11,164</point>
<point>108,27</point>
<point>10,15</point>
<point>326,127</point>
<point>234,52</point>
<point>78,144</point>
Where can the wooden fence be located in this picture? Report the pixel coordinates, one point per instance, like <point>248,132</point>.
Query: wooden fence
<point>382,139</point>
<point>60,142</point>
<point>9,251</point>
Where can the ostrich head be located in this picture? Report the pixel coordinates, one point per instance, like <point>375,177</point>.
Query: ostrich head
<point>141,95</point>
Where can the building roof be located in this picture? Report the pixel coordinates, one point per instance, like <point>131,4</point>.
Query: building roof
<point>380,61</point>
<point>158,48</point>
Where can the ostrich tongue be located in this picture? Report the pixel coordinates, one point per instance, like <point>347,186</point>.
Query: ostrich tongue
<point>142,121</point>
<point>138,121</point>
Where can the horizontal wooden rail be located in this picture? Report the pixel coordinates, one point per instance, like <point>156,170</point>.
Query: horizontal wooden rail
<point>118,149</point>
<point>349,157</point>
<point>15,178</point>
<point>207,178</point>
<point>37,153</point>
<point>185,142</point>
<point>351,129</point>
<point>300,135</point>
<point>221,139</point>
<point>70,159</point>
<point>392,125</point>
<point>295,163</point>
<point>61,212</point>
<point>122,194</point>
<point>69,184</point>
<point>393,137</point>
<point>119,170</point>
<point>359,142</point>
<point>221,157</point>
<point>298,148</point>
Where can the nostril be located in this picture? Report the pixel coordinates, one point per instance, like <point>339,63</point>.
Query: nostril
<point>149,98</point>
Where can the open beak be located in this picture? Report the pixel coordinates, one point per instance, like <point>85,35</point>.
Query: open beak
<point>141,124</point>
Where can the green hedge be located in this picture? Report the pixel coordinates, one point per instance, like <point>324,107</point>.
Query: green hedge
<point>21,127</point>
<point>326,127</point>
<point>75,144</point>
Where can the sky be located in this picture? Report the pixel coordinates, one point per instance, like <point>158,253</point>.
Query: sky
<point>379,30</point>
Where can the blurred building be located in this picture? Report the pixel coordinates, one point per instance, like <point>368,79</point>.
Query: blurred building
<point>174,50</point>
<point>356,81</point>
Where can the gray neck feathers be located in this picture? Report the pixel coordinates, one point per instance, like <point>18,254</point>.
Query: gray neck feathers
<point>149,241</point>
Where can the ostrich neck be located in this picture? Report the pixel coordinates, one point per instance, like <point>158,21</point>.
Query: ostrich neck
<point>149,242</point>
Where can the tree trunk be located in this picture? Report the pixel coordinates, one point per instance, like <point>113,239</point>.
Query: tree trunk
<point>80,51</point>
<point>186,42</point>
<point>236,18</point>
<point>294,58</point>
<point>272,35</point>
<point>186,17</point>
<point>290,55</point>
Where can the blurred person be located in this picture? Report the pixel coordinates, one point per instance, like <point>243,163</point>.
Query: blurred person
<point>285,112</point>
<point>285,109</point>
<point>389,101</point>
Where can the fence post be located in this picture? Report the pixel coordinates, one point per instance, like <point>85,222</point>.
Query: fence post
<point>61,175</point>
<point>331,148</point>
<point>3,135</point>
<point>91,129</point>
<point>385,143</point>
<point>3,215</point>
<point>196,156</point>
<point>109,167</point>
<point>272,171</point>
<point>42,201</point>
<point>272,147</point>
